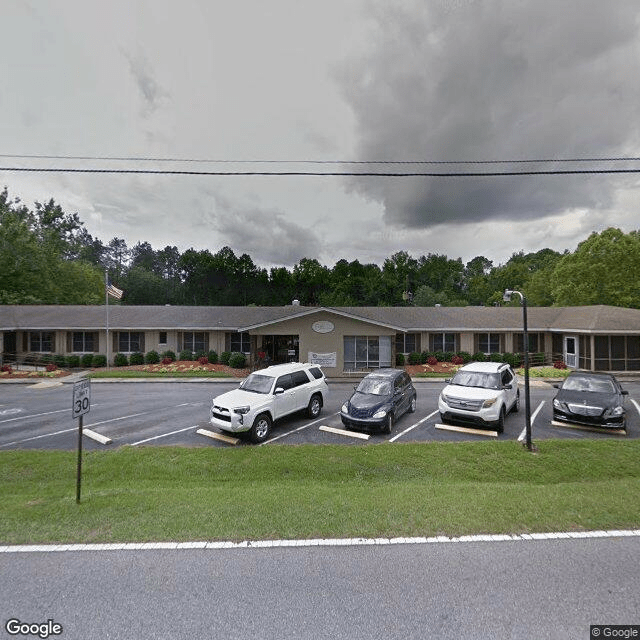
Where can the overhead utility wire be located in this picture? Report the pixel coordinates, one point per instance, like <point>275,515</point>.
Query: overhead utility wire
<point>413,174</point>
<point>213,161</point>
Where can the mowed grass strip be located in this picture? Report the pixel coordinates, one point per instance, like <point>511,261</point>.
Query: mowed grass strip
<point>162,494</point>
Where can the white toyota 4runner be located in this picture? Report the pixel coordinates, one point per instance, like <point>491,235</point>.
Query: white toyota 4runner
<point>267,395</point>
<point>480,393</point>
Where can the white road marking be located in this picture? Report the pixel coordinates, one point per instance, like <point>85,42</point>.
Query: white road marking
<point>317,542</point>
<point>413,426</point>
<point>164,435</point>
<point>304,426</point>
<point>636,405</point>
<point>523,435</point>
<point>35,415</point>
<point>344,432</point>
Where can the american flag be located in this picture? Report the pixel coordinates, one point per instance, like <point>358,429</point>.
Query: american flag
<point>114,292</point>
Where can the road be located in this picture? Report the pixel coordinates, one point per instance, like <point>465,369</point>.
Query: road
<point>528,590</point>
<point>166,413</point>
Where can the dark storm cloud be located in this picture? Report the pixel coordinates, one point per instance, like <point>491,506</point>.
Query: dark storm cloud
<point>494,80</point>
<point>150,90</point>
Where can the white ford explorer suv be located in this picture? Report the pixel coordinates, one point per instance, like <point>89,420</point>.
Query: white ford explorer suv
<point>267,395</point>
<point>480,393</point>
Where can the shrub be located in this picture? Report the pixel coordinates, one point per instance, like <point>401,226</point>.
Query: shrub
<point>120,360</point>
<point>166,361</point>
<point>237,360</point>
<point>495,357</point>
<point>479,357</point>
<point>59,359</point>
<point>200,353</point>
<point>186,354</point>
<point>414,357</point>
<point>151,357</point>
<point>465,355</point>
<point>87,360</point>
<point>559,364</point>
<point>5,368</point>
<point>51,367</point>
<point>457,360</point>
<point>512,358</point>
<point>399,359</point>
<point>99,360</point>
<point>73,362</point>
<point>212,357</point>
<point>168,354</point>
<point>136,358</point>
<point>440,356</point>
<point>432,360</point>
<point>424,356</point>
<point>224,358</point>
<point>203,360</point>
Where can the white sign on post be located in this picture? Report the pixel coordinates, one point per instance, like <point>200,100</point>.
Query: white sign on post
<point>81,398</point>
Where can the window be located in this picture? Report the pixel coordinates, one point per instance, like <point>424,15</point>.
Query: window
<point>366,352</point>
<point>239,342</point>
<point>299,378</point>
<point>84,342</point>
<point>316,373</point>
<point>130,341</point>
<point>536,342</point>
<point>163,338</point>
<point>443,342</point>
<point>407,342</point>
<point>41,341</point>
<point>195,341</point>
<point>488,342</point>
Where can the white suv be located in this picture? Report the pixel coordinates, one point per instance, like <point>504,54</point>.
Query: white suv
<point>480,393</point>
<point>267,395</point>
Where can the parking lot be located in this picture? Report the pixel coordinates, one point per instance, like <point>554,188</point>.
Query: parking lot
<point>39,416</point>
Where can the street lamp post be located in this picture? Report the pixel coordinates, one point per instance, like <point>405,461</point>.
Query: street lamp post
<point>527,399</point>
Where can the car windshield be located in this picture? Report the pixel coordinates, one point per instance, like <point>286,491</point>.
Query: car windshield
<point>257,383</point>
<point>584,383</point>
<point>477,379</point>
<point>375,386</point>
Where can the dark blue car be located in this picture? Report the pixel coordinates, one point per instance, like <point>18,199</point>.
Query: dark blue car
<point>380,399</point>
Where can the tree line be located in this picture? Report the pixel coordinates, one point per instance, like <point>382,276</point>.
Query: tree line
<point>48,256</point>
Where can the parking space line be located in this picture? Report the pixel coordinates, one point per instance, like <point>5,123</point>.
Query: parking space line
<point>35,415</point>
<point>163,435</point>
<point>636,405</point>
<point>304,426</point>
<point>523,435</point>
<point>413,426</point>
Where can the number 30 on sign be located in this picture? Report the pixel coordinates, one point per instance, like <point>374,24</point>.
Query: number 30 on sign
<point>81,398</point>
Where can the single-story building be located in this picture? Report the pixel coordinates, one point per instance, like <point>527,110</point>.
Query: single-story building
<point>596,338</point>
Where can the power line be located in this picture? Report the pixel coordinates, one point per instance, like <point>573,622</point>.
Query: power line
<point>356,162</point>
<point>363,174</point>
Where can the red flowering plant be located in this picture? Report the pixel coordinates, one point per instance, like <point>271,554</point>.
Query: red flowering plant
<point>457,360</point>
<point>203,360</point>
<point>559,364</point>
<point>51,367</point>
<point>5,368</point>
<point>166,361</point>
<point>432,360</point>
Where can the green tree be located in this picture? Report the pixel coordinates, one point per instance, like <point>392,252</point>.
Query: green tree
<point>604,269</point>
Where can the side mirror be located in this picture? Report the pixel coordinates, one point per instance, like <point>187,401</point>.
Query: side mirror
<point>556,386</point>
<point>278,391</point>
<point>447,381</point>
<point>625,393</point>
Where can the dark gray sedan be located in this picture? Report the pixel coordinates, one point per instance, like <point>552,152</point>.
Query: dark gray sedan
<point>591,399</point>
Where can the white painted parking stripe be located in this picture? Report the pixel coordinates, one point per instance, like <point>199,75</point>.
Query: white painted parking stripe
<point>636,405</point>
<point>413,426</point>
<point>523,435</point>
<point>344,432</point>
<point>163,435</point>
<point>35,415</point>
<point>318,542</point>
<point>304,426</point>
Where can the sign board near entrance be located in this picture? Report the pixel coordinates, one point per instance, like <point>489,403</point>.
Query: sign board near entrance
<point>81,398</point>
<point>324,359</point>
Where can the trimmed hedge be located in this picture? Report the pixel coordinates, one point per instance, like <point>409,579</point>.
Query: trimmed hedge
<point>120,360</point>
<point>237,360</point>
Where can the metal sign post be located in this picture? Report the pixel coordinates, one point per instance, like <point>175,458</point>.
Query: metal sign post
<point>81,405</point>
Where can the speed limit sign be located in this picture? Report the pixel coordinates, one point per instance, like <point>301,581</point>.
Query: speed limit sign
<point>81,398</point>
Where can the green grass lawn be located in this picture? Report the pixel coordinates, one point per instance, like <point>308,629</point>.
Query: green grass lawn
<point>161,494</point>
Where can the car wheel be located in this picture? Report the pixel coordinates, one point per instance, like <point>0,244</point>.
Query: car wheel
<point>500,425</point>
<point>315,406</point>
<point>261,428</point>
<point>516,404</point>
<point>412,405</point>
<point>388,423</point>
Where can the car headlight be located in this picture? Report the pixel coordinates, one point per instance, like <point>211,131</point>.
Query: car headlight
<point>381,413</point>
<point>557,404</point>
<point>345,408</point>
<point>444,398</point>
<point>614,411</point>
<point>241,410</point>
<point>489,403</point>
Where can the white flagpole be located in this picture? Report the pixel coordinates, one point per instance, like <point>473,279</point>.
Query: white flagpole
<point>106,293</point>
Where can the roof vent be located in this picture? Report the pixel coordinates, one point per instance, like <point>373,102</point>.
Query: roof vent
<point>438,304</point>
<point>296,303</point>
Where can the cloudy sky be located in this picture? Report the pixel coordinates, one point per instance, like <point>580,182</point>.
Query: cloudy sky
<point>443,81</point>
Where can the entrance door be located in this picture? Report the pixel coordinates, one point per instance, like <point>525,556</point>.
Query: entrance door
<point>571,351</point>
<point>9,349</point>
<point>281,348</point>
